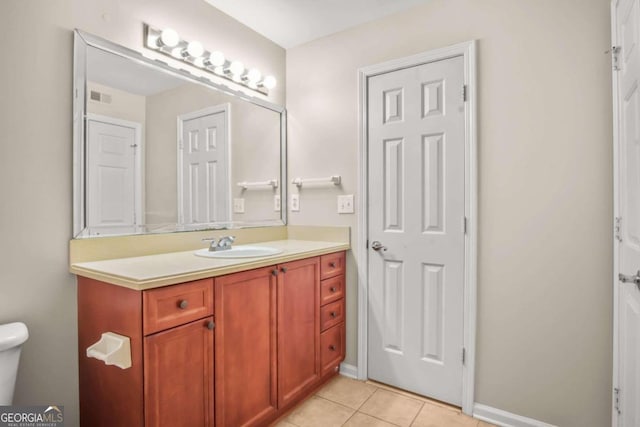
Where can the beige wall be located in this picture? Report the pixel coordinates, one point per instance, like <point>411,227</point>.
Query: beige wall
<point>545,185</point>
<point>35,161</point>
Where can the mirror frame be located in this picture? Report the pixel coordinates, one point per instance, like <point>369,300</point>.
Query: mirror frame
<point>83,40</point>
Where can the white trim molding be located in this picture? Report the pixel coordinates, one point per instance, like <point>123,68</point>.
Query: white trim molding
<point>504,418</point>
<point>349,370</point>
<point>467,51</point>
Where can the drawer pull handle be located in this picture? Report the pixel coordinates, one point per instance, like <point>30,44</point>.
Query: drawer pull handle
<point>332,347</point>
<point>183,304</point>
<point>274,271</point>
<point>333,289</point>
<point>211,325</point>
<point>283,269</point>
<point>332,264</point>
<point>333,314</point>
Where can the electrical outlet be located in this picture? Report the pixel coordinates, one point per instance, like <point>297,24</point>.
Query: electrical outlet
<point>238,205</point>
<point>295,203</point>
<point>345,204</point>
<point>276,203</point>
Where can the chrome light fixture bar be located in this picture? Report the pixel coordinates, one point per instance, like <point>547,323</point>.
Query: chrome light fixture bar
<point>168,42</point>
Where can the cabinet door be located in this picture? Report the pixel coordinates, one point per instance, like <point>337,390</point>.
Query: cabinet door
<point>246,369</point>
<point>178,376</point>
<point>298,328</point>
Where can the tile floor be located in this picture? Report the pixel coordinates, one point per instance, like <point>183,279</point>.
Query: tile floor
<point>347,402</point>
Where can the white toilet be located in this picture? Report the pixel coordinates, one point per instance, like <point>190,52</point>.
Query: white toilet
<point>12,336</point>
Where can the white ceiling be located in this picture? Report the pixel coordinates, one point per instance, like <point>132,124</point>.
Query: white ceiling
<point>290,23</point>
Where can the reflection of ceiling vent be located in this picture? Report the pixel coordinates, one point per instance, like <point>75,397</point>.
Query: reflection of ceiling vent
<point>100,97</point>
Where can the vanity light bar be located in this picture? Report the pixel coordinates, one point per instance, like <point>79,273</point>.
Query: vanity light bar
<point>192,52</point>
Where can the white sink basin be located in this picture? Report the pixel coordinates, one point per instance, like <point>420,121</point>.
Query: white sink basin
<point>243,251</point>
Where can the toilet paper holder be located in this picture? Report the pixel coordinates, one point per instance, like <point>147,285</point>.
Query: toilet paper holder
<point>112,349</point>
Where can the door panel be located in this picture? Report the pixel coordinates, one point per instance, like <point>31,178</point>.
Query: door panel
<point>627,33</point>
<point>246,358</point>
<point>111,186</point>
<point>416,132</point>
<point>178,368</point>
<point>205,169</point>
<point>298,328</point>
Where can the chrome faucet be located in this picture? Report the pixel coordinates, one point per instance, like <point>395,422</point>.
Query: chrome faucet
<point>223,244</point>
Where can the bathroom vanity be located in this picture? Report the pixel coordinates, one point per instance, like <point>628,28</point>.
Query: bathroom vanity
<point>238,345</point>
<point>168,338</point>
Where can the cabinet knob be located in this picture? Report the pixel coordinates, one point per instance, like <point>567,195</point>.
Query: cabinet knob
<point>332,264</point>
<point>333,289</point>
<point>274,271</point>
<point>333,314</point>
<point>283,269</point>
<point>332,347</point>
<point>183,304</point>
<point>211,325</point>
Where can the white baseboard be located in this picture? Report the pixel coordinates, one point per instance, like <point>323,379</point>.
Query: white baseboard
<point>349,371</point>
<point>504,418</point>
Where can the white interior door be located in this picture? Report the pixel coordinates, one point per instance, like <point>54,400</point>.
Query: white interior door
<point>416,129</point>
<point>112,187</point>
<point>204,168</point>
<point>627,37</point>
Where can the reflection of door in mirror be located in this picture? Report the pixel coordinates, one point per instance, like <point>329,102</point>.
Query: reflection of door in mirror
<point>113,197</point>
<point>203,166</point>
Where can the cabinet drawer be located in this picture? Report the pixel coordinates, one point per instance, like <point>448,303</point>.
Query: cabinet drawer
<point>175,305</point>
<point>331,314</point>
<point>331,289</point>
<point>332,348</point>
<point>331,265</point>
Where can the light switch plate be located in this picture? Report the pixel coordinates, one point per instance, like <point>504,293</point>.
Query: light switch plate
<point>238,205</point>
<point>345,204</point>
<point>276,203</point>
<point>295,203</point>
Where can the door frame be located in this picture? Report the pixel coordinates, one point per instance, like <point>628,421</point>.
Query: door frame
<point>615,82</point>
<point>138,175</point>
<point>221,108</point>
<point>468,51</point>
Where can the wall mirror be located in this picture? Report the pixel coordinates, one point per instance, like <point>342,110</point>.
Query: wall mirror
<point>158,149</point>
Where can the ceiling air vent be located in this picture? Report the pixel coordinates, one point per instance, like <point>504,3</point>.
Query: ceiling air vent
<point>100,97</point>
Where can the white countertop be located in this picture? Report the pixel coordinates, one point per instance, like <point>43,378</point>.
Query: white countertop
<point>151,271</point>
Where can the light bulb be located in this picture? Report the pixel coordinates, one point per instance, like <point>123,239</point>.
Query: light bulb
<point>176,52</point>
<point>219,71</point>
<point>169,37</point>
<point>254,75</point>
<point>237,68</point>
<point>269,82</point>
<point>216,58</point>
<point>195,49</point>
<point>153,41</point>
<point>199,62</point>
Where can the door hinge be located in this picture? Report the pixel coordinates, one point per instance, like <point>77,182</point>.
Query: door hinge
<point>180,145</point>
<point>615,57</point>
<point>617,228</point>
<point>464,93</point>
<point>465,225</point>
<point>616,398</point>
<point>366,245</point>
<point>464,355</point>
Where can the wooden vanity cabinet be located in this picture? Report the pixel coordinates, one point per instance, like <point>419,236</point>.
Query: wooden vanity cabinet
<point>276,335</point>
<point>298,329</point>
<point>246,356</point>
<point>332,313</point>
<point>178,355</point>
<point>178,376</point>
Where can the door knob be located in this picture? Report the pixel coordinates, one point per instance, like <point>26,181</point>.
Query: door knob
<point>630,279</point>
<point>376,246</point>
